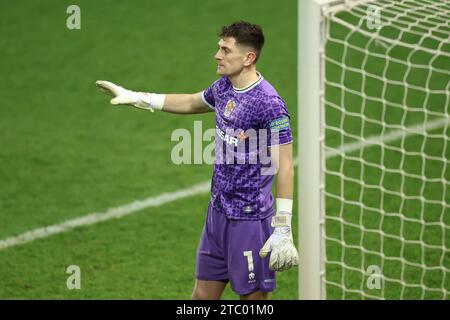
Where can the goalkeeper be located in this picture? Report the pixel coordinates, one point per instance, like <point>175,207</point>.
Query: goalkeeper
<point>242,228</point>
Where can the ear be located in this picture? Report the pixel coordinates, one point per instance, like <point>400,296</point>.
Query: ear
<point>249,58</point>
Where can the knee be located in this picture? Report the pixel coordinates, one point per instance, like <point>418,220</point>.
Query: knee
<point>201,294</point>
<point>208,290</point>
<point>257,295</point>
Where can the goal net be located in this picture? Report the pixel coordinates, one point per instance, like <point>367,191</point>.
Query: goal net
<point>374,186</point>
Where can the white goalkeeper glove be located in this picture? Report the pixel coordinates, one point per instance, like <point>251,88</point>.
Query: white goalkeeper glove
<point>142,100</point>
<point>283,254</point>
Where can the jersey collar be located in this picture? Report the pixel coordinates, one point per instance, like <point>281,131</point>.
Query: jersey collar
<point>251,86</point>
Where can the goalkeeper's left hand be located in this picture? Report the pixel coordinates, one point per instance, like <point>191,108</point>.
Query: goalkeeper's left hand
<point>283,254</point>
<point>123,96</point>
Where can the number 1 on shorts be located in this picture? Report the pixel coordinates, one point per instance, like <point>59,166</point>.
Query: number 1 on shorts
<point>249,256</point>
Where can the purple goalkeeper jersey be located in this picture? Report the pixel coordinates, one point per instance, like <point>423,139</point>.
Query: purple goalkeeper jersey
<point>248,121</point>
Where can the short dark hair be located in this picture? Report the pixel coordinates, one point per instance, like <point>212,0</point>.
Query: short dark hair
<point>245,33</point>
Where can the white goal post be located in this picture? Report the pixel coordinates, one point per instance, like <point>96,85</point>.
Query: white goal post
<point>310,91</point>
<point>373,151</point>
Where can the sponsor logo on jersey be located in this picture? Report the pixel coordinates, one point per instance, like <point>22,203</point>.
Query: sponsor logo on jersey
<point>229,139</point>
<point>226,137</point>
<point>242,136</point>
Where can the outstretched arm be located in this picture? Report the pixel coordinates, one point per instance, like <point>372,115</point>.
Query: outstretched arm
<point>173,103</point>
<point>185,103</point>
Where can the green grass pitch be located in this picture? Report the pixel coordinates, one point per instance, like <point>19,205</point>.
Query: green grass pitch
<point>66,152</point>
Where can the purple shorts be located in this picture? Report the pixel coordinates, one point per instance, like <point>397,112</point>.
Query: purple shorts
<point>229,251</point>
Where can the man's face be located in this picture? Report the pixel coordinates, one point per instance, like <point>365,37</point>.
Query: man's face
<point>231,57</point>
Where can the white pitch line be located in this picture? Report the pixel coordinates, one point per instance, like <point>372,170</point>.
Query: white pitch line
<point>197,189</point>
<point>388,137</point>
<point>113,213</point>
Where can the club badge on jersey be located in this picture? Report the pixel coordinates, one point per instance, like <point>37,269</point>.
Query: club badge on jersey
<point>230,106</point>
